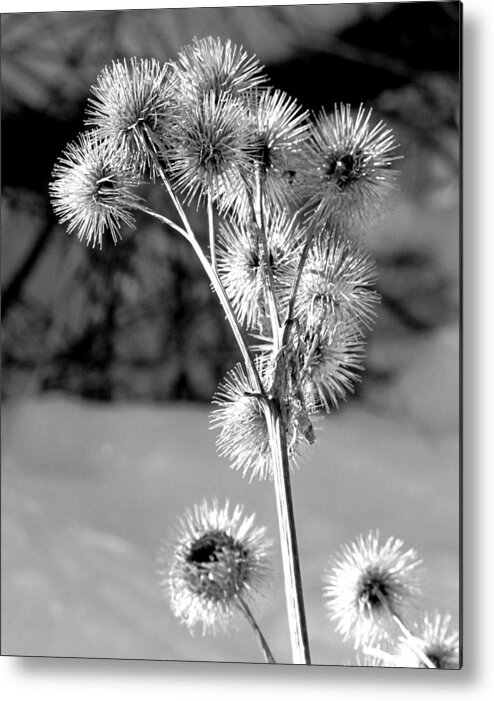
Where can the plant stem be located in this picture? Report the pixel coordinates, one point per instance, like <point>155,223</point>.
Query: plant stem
<point>270,289</point>
<point>163,219</point>
<point>236,328</point>
<point>276,426</point>
<point>212,242</point>
<point>188,234</point>
<point>281,468</point>
<point>268,656</point>
<point>289,549</point>
<point>412,641</point>
<point>293,294</point>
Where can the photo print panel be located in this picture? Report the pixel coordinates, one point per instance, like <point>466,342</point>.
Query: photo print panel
<point>230,316</point>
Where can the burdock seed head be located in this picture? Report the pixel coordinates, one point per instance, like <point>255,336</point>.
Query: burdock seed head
<point>218,557</point>
<point>337,283</point>
<point>348,173</point>
<point>92,191</point>
<point>436,640</point>
<point>244,269</point>
<point>209,65</point>
<point>132,106</point>
<point>211,147</point>
<point>369,584</point>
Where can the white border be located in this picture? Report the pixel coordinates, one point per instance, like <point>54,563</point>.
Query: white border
<point>82,679</point>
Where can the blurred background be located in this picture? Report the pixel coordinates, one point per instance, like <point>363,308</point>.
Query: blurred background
<point>109,360</point>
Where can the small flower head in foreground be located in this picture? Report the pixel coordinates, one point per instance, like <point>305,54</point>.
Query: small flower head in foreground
<point>209,65</point>
<point>92,191</point>
<point>244,435</point>
<point>219,556</point>
<point>367,585</point>
<point>337,282</point>
<point>436,640</point>
<point>243,270</point>
<point>131,105</point>
<point>211,148</point>
<point>347,172</point>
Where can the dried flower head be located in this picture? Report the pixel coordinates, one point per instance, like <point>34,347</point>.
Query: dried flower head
<point>219,557</point>
<point>243,269</point>
<point>131,106</point>
<point>92,191</point>
<point>243,429</point>
<point>211,148</point>
<point>347,170</point>
<point>435,640</point>
<point>333,361</point>
<point>210,65</point>
<point>337,282</point>
<point>367,585</point>
<point>278,127</point>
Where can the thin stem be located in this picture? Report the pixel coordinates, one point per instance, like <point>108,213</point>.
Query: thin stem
<point>293,294</point>
<point>212,242</point>
<point>412,641</point>
<point>215,280</point>
<point>276,428</point>
<point>268,656</point>
<point>176,202</point>
<point>163,219</point>
<point>281,469</point>
<point>273,307</point>
<point>289,549</point>
<point>230,315</point>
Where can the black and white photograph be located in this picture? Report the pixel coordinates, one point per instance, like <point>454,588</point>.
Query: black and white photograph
<point>231,334</point>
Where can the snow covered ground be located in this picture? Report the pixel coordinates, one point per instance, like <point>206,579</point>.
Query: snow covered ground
<point>90,491</point>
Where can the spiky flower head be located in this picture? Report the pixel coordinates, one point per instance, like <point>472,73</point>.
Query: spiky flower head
<point>218,557</point>
<point>243,436</point>
<point>278,127</point>
<point>337,282</point>
<point>211,65</point>
<point>347,172</point>
<point>211,148</point>
<point>369,584</point>
<point>333,360</point>
<point>435,640</point>
<point>92,192</point>
<point>243,268</point>
<point>131,105</point>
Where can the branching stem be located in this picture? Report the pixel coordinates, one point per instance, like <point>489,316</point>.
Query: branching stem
<point>281,469</point>
<point>238,332</point>
<point>412,642</point>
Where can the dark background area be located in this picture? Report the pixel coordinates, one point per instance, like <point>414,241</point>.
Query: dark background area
<point>138,320</point>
